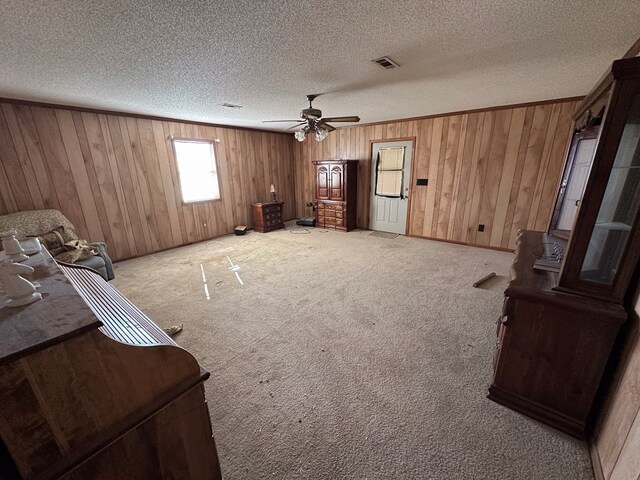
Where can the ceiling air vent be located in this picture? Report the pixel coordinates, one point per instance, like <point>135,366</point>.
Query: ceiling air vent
<point>231,105</point>
<point>386,63</point>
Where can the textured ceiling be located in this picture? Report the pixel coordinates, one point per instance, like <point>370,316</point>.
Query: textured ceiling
<point>184,59</point>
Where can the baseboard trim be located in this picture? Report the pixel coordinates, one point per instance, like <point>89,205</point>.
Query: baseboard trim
<point>596,465</point>
<point>541,413</point>
<point>466,244</point>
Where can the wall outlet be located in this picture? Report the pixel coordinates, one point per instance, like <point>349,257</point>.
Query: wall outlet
<point>481,227</point>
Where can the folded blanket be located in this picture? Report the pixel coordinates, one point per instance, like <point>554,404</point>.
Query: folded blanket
<point>69,252</point>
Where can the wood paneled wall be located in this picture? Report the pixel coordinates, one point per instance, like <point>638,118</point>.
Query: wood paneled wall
<point>498,167</point>
<point>115,177</point>
<point>615,445</point>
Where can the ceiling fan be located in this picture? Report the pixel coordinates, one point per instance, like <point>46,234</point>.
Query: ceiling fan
<point>311,120</point>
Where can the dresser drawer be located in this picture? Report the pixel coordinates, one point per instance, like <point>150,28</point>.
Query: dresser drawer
<point>271,210</point>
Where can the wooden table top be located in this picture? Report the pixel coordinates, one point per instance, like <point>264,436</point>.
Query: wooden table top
<point>61,314</point>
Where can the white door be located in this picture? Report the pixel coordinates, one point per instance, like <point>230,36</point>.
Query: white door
<point>390,177</point>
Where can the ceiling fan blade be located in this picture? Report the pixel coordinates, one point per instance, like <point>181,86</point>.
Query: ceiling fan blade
<point>353,118</point>
<point>295,126</point>
<point>322,124</point>
<point>280,121</point>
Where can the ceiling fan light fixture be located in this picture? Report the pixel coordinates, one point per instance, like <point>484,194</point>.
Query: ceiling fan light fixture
<point>299,134</point>
<point>321,134</point>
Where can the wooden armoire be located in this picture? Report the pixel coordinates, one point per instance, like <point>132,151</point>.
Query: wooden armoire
<point>336,194</point>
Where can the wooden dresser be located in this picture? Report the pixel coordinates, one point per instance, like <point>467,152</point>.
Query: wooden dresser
<point>552,347</point>
<point>91,388</point>
<point>267,216</point>
<point>336,194</point>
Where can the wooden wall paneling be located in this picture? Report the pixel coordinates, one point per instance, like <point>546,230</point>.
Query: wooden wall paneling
<point>448,174</point>
<point>274,156</point>
<point>455,193</point>
<point>79,173</point>
<point>479,181</point>
<point>463,194</point>
<point>300,179</point>
<point>37,158</point>
<point>496,164</point>
<point>167,181</point>
<point>473,172</point>
<point>508,239</point>
<point>226,191</point>
<point>125,188</point>
<point>265,166</point>
<point>12,169</point>
<point>622,409</point>
<point>115,176</point>
<point>261,181</point>
<point>533,157</point>
<point>127,167</point>
<point>434,156</point>
<point>475,163</point>
<point>508,172</point>
<point>236,179</point>
<point>105,180</point>
<point>288,166</point>
<point>281,179</point>
<point>125,220</point>
<point>217,211</point>
<point>143,189</point>
<point>628,462</point>
<point>23,155</point>
<point>559,149</point>
<point>56,158</point>
<point>155,182</point>
<point>364,149</point>
<point>248,158</point>
<point>83,141</point>
<point>6,195</point>
<point>544,164</point>
<point>420,169</point>
<point>217,220</point>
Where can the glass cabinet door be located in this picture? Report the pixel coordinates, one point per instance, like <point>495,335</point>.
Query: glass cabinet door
<point>618,209</point>
<point>604,248</point>
<point>574,180</point>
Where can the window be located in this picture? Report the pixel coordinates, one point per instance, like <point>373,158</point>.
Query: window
<point>389,172</point>
<point>197,170</point>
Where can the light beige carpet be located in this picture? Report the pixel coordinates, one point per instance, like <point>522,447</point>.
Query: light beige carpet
<point>348,356</point>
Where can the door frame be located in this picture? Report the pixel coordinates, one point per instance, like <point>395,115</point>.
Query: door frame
<point>411,175</point>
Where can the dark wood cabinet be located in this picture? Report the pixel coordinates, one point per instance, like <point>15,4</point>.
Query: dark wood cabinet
<point>557,330</point>
<point>552,347</point>
<point>336,193</point>
<point>267,216</point>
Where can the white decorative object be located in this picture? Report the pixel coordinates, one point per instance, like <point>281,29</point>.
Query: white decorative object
<point>31,246</point>
<point>19,290</point>
<point>11,246</point>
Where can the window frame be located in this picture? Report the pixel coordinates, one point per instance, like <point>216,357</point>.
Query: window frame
<point>215,161</point>
<point>401,170</point>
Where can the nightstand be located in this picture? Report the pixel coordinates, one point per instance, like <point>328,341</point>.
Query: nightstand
<point>267,216</point>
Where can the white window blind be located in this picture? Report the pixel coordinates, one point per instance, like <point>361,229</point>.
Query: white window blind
<point>197,170</point>
<point>389,175</point>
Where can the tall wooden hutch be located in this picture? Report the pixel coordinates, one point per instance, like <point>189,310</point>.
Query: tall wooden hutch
<point>336,194</point>
<point>557,329</point>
